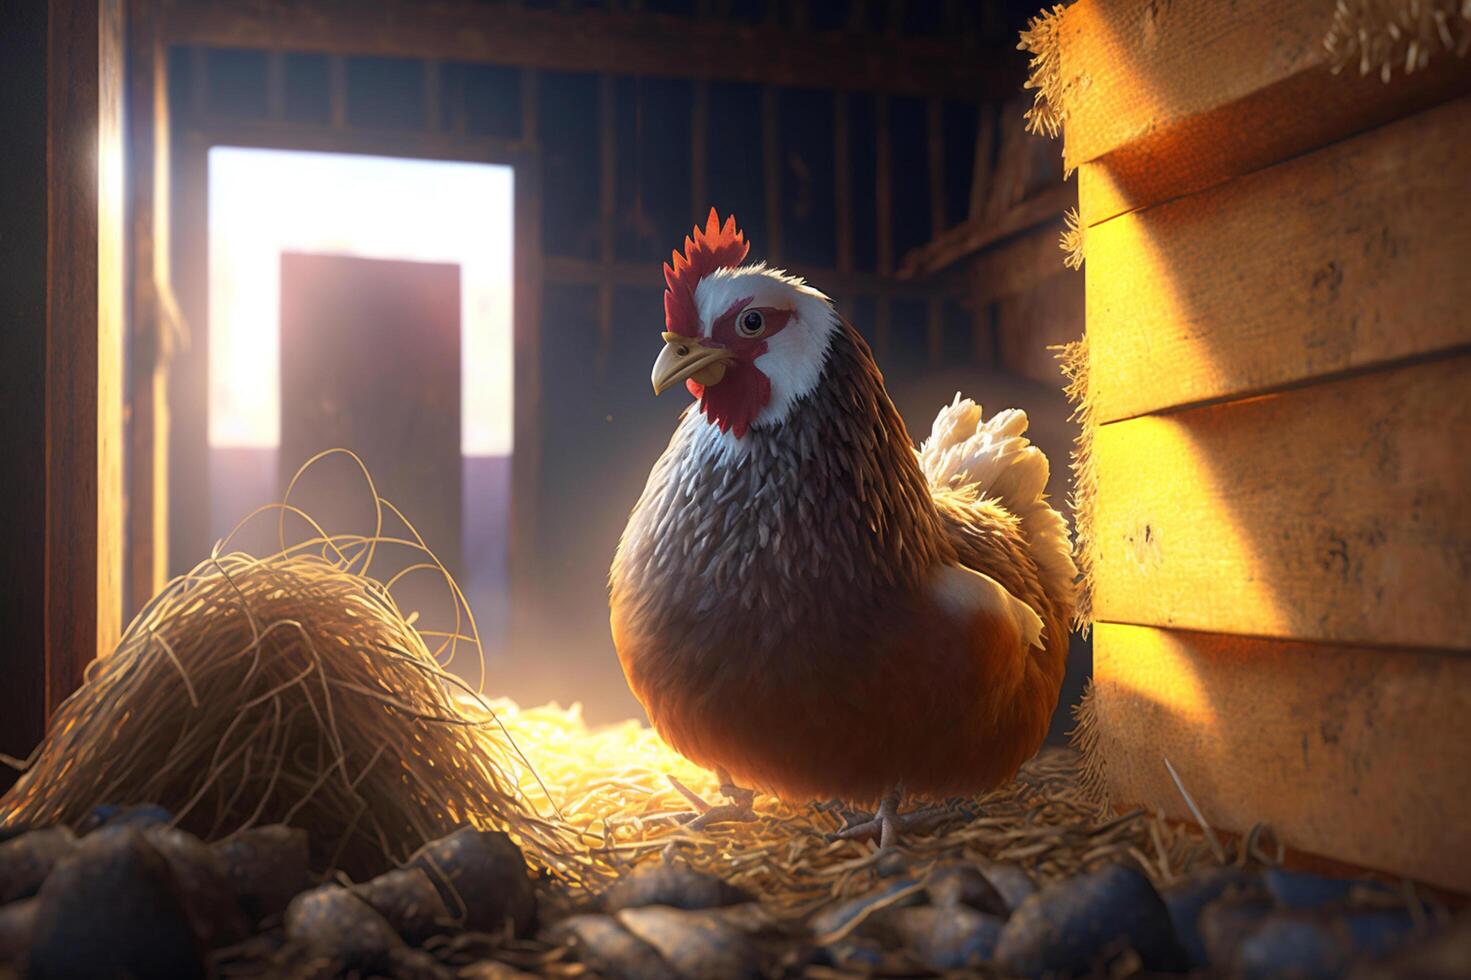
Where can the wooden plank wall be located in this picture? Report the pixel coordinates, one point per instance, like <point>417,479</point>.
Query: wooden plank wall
<point>1279,356</point>
<point>62,251</point>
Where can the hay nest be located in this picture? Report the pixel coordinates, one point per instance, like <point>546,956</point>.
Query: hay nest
<point>291,689</point>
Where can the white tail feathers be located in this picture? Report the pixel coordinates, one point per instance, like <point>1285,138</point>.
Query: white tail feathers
<point>995,459</point>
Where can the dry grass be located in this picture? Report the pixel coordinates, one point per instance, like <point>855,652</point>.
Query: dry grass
<point>1379,36</point>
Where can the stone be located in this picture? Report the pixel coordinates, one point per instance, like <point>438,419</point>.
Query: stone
<point>482,878</point>
<point>965,884</point>
<point>408,900</point>
<point>1302,890</point>
<point>612,950</point>
<point>17,927</point>
<point>113,908</point>
<point>1073,926</point>
<point>946,937</point>
<point>841,918</point>
<point>140,815</point>
<point>267,866</point>
<point>1226,922</point>
<point>1187,898</point>
<point>700,945</point>
<point>209,895</point>
<point>1011,882</point>
<point>1445,954</point>
<point>674,884</point>
<point>331,923</point>
<point>1286,945</point>
<point>27,859</point>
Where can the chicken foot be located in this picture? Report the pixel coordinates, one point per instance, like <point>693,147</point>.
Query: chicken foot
<point>739,809</point>
<point>887,824</point>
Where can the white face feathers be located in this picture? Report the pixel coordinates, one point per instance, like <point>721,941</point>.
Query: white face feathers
<point>794,356</point>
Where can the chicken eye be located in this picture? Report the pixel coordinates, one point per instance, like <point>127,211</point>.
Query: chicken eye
<point>751,323</point>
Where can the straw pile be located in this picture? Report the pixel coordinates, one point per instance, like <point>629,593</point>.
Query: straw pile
<point>292,688</point>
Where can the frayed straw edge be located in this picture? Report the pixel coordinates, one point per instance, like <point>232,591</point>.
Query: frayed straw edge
<point>1092,770</point>
<point>1044,72</point>
<point>1073,361</point>
<point>1072,239</point>
<point>1380,35</point>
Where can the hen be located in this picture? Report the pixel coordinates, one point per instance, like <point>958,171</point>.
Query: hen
<point>801,601</point>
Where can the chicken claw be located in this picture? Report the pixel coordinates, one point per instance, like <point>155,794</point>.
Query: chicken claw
<point>739,809</point>
<point>887,823</point>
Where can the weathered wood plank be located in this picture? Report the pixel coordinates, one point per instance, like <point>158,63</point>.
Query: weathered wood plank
<point>1016,265</point>
<point>1034,320</point>
<point>626,42</point>
<point>1335,512</point>
<point>1358,754</point>
<point>1347,257</point>
<point>1171,98</point>
<point>975,234</point>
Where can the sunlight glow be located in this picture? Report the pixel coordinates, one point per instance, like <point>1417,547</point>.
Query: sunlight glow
<point>265,202</point>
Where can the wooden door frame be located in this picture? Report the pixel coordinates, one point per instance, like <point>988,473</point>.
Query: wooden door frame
<point>188,387</point>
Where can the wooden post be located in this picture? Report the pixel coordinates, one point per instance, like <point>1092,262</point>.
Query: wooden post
<point>607,187</point>
<point>151,315</point>
<point>842,183</point>
<point>60,106</point>
<point>699,134</point>
<point>935,120</point>
<point>883,189</point>
<point>771,161</point>
<point>337,90</point>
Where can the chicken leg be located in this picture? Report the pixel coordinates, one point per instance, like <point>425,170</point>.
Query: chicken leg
<point>887,824</point>
<point>738,810</point>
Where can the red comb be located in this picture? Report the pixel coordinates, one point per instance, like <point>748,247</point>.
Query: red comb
<point>717,246</point>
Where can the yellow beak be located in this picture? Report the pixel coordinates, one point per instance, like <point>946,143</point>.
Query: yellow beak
<point>688,357</point>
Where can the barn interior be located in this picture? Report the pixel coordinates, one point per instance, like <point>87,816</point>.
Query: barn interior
<point>244,233</point>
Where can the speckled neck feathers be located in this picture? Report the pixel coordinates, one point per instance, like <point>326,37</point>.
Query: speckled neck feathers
<point>803,519</point>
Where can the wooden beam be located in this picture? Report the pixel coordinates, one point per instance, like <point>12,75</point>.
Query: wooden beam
<point>976,234</point>
<point>433,95</point>
<point>1334,512</point>
<point>1188,301</point>
<point>842,183</point>
<point>607,211</point>
<point>935,132</point>
<point>1374,743</point>
<point>699,144</point>
<point>883,188</point>
<point>151,317</point>
<point>1178,103</point>
<point>530,106</point>
<point>645,275</point>
<point>1014,266</point>
<point>771,167</point>
<point>980,182</point>
<point>619,41</point>
<point>62,248</point>
<point>337,91</point>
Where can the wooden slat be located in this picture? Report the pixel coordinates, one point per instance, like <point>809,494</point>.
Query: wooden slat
<point>771,168</point>
<point>1351,256</point>
<point>645,275</point>
<point>980,183</point>
<point>607,211</point>
<point>620,41</point>
<point>1016,265</point>
<point>699,141</point>
<point>975,234</point>
<point>1173,98</point>
<point>935,136</point>
<point>1034,320</point>
<point>1335,512</point>
<point>842,183</point>
<point>150,320</point>
<point>884,188</point>
<point>1358,754</point>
